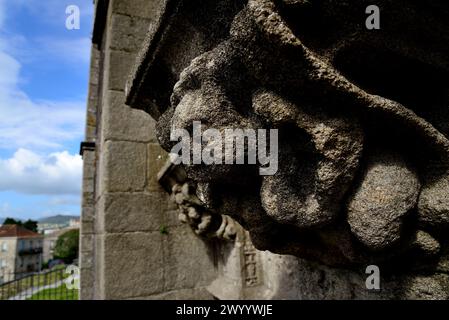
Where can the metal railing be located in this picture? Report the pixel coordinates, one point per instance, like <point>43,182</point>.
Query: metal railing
<point>45,285</point>
<point>30,251</point>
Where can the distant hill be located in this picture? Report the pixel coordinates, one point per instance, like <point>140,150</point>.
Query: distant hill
<point>59,219</point>
<point>1,220</point>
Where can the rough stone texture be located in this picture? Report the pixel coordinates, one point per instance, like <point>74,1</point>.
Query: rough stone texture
<point>389,190</point>
<point>130,32</point>
<point>363,129</point>
<point>288,277</point>
<point>133,265</point>
<point>127,233</point>
<point>433,206</point>
<point>124,165</point>
<point>120,122</point>
<point>122,62</point>
<point>88,197</point>
<point>129,212</point>
<point>184,263</point>
<point>138,8</point>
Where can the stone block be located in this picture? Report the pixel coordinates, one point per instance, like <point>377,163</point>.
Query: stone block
<point>88,214</point>
<point>188,260</point>
<point>127,33</point>
<point>117,68</point>
<point>123,167</point>
<point>89,167</point>
<point>87,199</point>
<point>171,218</point>
<point>133,265</point>
<point>86,259</point>
<point>88,185</point>
<point>87,227</point>
<point>157,157</point>
<point>132,212</point>
<point>138,8</point>
<point>120,122</point>
<point>87,243</point>
<point>87,284</point>
<point>99,267</point>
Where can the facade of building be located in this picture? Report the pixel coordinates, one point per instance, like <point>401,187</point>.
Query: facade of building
<point>20,252</point>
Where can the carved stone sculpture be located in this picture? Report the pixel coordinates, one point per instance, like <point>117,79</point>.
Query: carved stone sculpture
<point>203,222</point>
<point>363,120</point>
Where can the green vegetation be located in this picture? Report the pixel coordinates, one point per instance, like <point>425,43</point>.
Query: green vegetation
<point>163,230</point>
<point>29,224</point>
<point>67,246</point>
<point>60,293</point>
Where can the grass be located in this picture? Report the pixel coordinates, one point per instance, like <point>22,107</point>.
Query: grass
<point>36,280</point>
<point>60,293</point>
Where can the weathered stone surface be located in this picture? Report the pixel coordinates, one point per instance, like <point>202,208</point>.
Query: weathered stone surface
<point>427,244</point>
<point>298,66</point>
<point>341,99</point>
<point>138,8</point>
<point>115,78</point>
<point>388,191</point>
<point>120,122</point>
<point>292,278</point>
<point>184,263</point>
<point>123,167</point>
<point>158,158</point>
<point>87,243</point>
<point>433,206</point>
<point>133,265</point>
<point>127,32</point>
<point>294,195</point>
<point>132,212</point>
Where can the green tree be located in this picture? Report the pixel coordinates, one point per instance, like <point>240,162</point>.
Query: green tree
<point>67,246</point>
<point>29,224</point>
<point>12,221</point>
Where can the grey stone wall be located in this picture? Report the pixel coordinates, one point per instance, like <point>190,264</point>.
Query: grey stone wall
<point>132,245</point>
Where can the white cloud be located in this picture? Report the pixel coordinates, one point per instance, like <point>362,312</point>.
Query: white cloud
<point>24,122</point>
<point>31,173</point>
<point>28,123</point>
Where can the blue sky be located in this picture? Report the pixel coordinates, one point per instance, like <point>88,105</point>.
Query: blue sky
<point>43,89</point>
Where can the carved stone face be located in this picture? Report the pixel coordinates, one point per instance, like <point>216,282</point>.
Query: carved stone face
<point>363,118</point>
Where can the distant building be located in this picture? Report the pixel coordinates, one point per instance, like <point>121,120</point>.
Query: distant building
<point>74,223</point>
<point>49,228</point>
<point>20,251</point>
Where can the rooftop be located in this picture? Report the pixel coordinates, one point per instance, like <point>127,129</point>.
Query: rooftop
<point>13,230</point>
